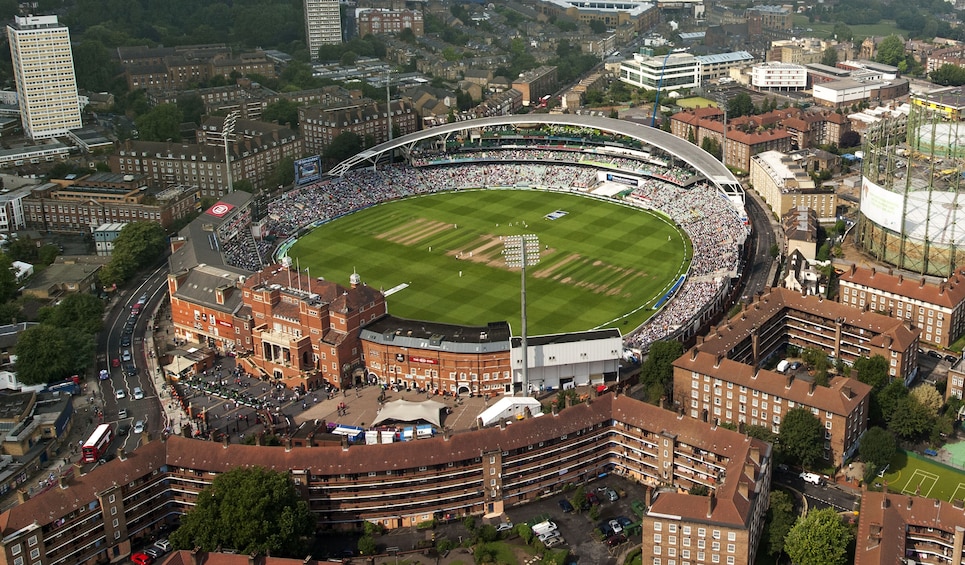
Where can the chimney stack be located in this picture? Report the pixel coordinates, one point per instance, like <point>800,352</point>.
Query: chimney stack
<point>711,502</point>
<point>22,495</point>
<point>811,386</point>
<point>252,557</point>
<point>648,497</point>
<point>226,440</point>
<point>288,444</point>
<point>196,556</point>
<point>788,379</point>
<point>344,443</point>
<point>693,353</point>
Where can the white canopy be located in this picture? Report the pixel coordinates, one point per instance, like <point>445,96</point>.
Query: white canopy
<point>510,407</point>
<point>406,411</point>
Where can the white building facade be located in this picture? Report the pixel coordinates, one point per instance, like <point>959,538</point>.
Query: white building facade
<point>323,25</point>
<point>670,72</point>
<point>43,67</point>
<point>779,76</point>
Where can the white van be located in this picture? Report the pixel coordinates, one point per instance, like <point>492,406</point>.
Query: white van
<point>783,365</point>
<point>544,528</point>
<point>813,478</point>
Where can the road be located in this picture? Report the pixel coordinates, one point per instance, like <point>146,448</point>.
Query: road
<point>128,375</point>
<point>764,238</point>
<point>830,495</point>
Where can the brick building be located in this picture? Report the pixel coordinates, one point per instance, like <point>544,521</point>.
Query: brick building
<point>305,331</point>
<point>938,308</point>
<point>739,146</point>
<point>784,184</point>
<point>257,148</point>
<point>79,206</point>
<point>319,125</point>
<point>115,507</point>
<point>892,526</point>
<point>176,68</point>
<point>536,83</point>
<point>435,356</point>
<point>385,21</point>
<point>720,378</point>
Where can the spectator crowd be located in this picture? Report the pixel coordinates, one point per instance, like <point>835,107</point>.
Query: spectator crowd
<point>715,227</point>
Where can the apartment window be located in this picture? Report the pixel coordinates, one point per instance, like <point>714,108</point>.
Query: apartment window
<point>731,536</point>
<point>32,541</point>
<point>657,526</point>
<point>731,548</point>
<point>657,538</point>
<point>34,553</point>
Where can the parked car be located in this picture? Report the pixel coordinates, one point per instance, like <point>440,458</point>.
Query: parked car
<point>616,540</point>
<point>119,394</point>
<point>612,495</point>
<point>616,527</point>
<point>624,521</point>
<point>592,499</point>
<point>163,544</point>
<point>951,359</point>
<point>122,413</point>
<point>125,341</point>
<point>141,558</point>
<point>565,505</point>
<point>505,526</point>
<point>138,393</point>
<point>554,541</point>
<point>139,427</point>
<point>105,374</point>
<point>935,354</point>
<point>126,355</point>
<point>813,478</point>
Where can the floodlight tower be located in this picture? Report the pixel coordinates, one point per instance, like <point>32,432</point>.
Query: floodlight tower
<point>227,132</point>
<point>522,251</point>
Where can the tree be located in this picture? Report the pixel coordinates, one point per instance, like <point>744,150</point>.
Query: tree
<point>284,112</point>
<point>780,520</point>
<point>366,545</point>
<point>93,66</point>
<point>598,27</point>
<point>192,108</point>
<point>885,402</point>
<point>47,354</point>
<point>78,311</point>
<point>829,57</point>
<point>343,146</point>
<point>802,436</point>
<point>740,105</point>
<point>948,75</point>
<point>254,510</point>
<point>910,419</point>
<point>850,139</point>
<point>820,538</point>
<point>162,123</point>
<point>877,448</point>
<point>8,280</point>
<point>762,433</point>
<point>842,32</point>
<point>891,50</point>
<point>928,396</point>
<point>656,373</point>
<point>139,245</point>
<point>872,371</point>
<point>348,58</point>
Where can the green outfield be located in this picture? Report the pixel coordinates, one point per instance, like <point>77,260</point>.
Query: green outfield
<point>602,264</point>
<point>910,473</point>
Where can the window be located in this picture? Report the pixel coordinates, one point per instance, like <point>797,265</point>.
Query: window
<point>657,538</point>
<point>731,548</point>
<point>731,536</point>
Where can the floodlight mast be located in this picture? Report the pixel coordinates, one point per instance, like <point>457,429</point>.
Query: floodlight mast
<point>227,132</point>
<point>522,251</point>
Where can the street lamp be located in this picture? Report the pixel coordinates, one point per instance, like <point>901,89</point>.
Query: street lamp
<point>227,131</point>
<point>522,251</point>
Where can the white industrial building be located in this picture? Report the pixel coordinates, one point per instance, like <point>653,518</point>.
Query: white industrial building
<point>713,67</point>
<point>667,72</point>
<point>777,76</point>
<point>562,361</point>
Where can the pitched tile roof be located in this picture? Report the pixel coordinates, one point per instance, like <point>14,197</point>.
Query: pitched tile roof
<point>885,518</point>
<point>948,294</point>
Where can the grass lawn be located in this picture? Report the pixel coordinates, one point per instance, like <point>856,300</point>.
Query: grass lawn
<point>826,29</point>
<point>696,102</point>
<point>910,474</point>
<point>601,264</point>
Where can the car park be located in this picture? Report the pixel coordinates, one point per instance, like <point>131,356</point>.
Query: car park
<point>139,427</point>
<point>138,393</point>
<point>119,394</point>
<point>565,505</point>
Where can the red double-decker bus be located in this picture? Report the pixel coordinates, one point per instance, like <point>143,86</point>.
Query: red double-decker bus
<point>97,443</point>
